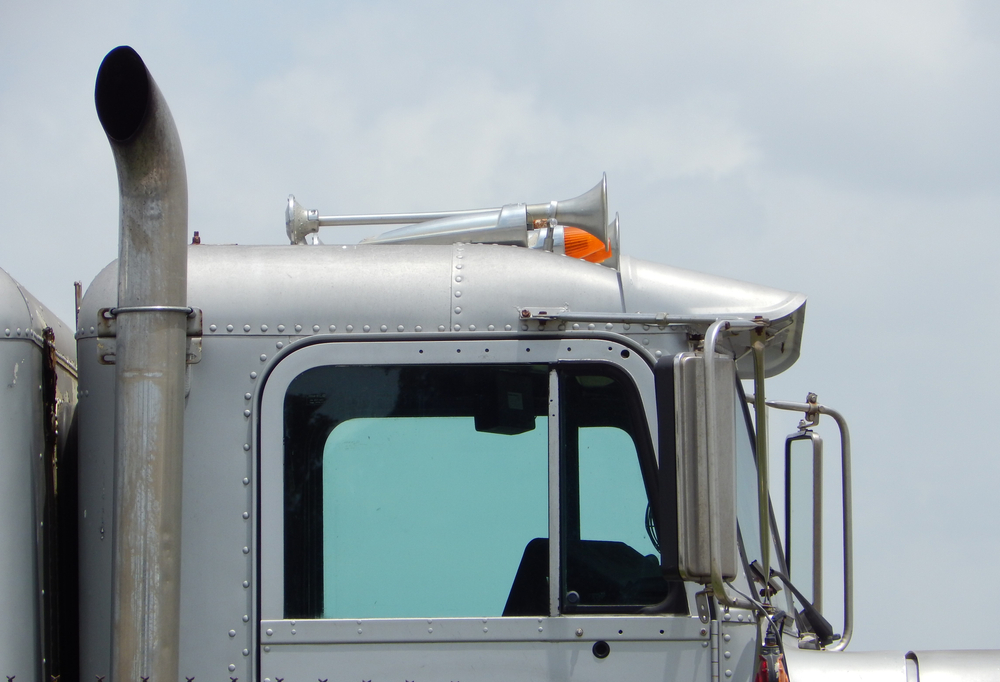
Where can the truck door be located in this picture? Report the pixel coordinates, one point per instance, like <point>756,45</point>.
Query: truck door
<point>417,498</point>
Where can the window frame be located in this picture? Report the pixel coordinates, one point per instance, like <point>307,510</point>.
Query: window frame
<point>630,361</point>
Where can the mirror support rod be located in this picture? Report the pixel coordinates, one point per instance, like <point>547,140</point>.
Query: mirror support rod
<point>763,461</point>
<point>711,409</point>
<point>811,410</point>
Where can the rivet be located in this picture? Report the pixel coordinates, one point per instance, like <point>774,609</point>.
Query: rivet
<point>253,375</point>
<point>399,328</point>
<point>729,673</point>
<point>440,327</point>
<point>740,617</point>
<point>246,327</point>
<point>575,326</point>
<point>232,633</point>
<point>281,327</point>
<point>246,447</point>
<point>229,327</point>
<point>232,667</point>
<point>728,654</point>
<point>269,632</point>
<point>458,266</point>
<point>267,650</point>
<point>539,628</point>
<point>279,345</point>
<point>298,327</point>
<point>645,327</point>
<point>383,328</point>
<point>506,328</point>
<point>350,327</point>
<point>246,515</point>
<point>457,327</point>
<point>263,357</point>
<point>86,392</point>
<point>591,326</point>
<point>246,550</point>
<point>246,618</point>
<point>459,255</point>
<point>626,327</point>
<point>458,278</point>
<point>6,332</point>
<point>246,413</point>
<point>359,631</point>
<point>458,310</point>
<point>472,327</point>
<point>486,629</point>
<point>524,327</point>
<point>645,342</point>
<point>430,629</point>
<point>315,328</point>
<point>579,632</point>
<point>212,327</point>
<point>293,631</point>
<point>246,481</point>
<point>705,632</point>
<point>247,396</point>
<point>263,327</point>
<point>333,327</point>
<point>458,294</point>
<point>609,326</point>
<point>727,636</point>
<point>91,330</point>
<point>658,354</point>
<point>246,652</point>
<point>727,616</point>
<point>419,328</point>
<point>367,328</point>
<point>490,328</point>
<point>246,583</point>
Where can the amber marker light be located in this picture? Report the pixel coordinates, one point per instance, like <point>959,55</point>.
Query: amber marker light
<point>581,244</point>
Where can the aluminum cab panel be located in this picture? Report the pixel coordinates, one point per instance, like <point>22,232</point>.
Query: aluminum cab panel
<point>433,287</point>
<point>96,433</point>
<point>495,662</point>
<point>217,491</point>
<point>652,287</point>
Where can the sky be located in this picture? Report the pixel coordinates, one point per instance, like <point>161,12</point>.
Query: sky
<point>846,150</point>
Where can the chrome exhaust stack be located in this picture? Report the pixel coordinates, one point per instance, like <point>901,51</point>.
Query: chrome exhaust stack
<point>150,365</point>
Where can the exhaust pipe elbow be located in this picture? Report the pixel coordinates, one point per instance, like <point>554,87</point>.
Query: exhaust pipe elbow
<point>151,179</point>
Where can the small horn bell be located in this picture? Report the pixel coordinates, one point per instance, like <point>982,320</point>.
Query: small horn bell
<point>589,211</point>
<point>614,244</point>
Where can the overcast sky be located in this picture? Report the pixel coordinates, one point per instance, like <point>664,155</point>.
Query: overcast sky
<point>848,150</point>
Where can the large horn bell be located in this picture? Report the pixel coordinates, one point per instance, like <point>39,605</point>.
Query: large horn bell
<point>589,211</point>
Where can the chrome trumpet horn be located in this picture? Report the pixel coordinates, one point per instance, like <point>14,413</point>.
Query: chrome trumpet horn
<point>532,225</point>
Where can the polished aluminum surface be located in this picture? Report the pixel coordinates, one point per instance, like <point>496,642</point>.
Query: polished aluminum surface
<point>150,360</point>
<point>957,666</point>
<point>806,665</point>
<point>481,288</point>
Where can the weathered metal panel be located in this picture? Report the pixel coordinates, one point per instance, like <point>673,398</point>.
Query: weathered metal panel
<point>37,396</point>
<point>20,452</point>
